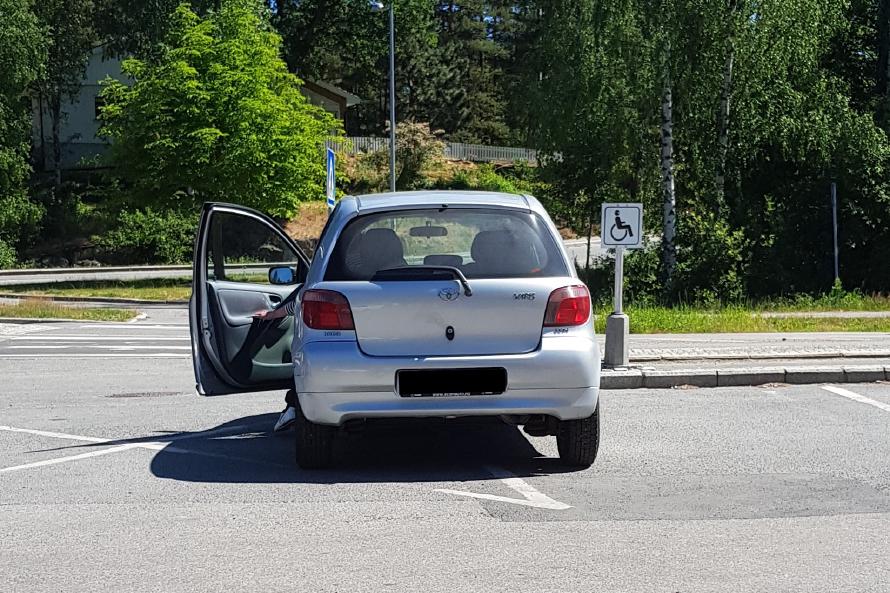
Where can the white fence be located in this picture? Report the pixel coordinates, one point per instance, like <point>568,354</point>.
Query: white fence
<point>453,150</point>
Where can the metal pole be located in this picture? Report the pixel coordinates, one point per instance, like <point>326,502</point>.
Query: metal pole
<point>392,97</point>
<point>619,280</point>
<point>837,275</point>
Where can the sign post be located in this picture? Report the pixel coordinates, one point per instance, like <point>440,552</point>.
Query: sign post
<point>837,272</point>
<point>621,227</point>
<point>330,181</point>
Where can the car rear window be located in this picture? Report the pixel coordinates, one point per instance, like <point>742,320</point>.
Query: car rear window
<point>480,243</point>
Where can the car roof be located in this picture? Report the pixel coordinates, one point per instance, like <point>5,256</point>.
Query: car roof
<point>421,199</point>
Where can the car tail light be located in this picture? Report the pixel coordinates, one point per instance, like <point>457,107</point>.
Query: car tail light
<point>326,309</point>
<point>569,305</point>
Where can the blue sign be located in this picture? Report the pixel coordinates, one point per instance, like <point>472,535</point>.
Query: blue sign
<point>330,182</point>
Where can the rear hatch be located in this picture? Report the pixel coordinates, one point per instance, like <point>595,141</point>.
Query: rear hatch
<point>412,318</point>
<point>508,258</point>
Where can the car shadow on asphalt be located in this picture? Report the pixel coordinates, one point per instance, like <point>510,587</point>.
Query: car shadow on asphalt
<point>246,451</point>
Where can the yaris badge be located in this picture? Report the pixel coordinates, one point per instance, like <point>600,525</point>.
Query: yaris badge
<point>449,294</point>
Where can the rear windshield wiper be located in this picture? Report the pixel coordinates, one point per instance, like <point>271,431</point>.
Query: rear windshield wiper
<point>424,273</point>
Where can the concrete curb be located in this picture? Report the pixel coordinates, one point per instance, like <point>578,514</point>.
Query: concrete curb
<point>76,299</point>
<point>762,356</point>
<point>665,379</point>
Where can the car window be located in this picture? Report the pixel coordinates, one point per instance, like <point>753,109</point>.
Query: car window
<point>242,249</point>
<point>481,243</point>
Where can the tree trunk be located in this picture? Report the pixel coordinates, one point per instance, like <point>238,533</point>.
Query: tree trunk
<point>41,111</point>
<point>668,193</point>
<point>723,125</point>
<point>56,117</point>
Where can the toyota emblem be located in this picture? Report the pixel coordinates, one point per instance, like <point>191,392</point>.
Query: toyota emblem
<point>449,294</point>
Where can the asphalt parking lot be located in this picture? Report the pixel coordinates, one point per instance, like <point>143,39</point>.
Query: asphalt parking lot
<point>114,476</point>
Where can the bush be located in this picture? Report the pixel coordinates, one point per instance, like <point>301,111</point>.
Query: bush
<point>7,255</point>
<point>711,260</point>
<point>149,237</point>
<point>19,218</point>
<point>641,284</point>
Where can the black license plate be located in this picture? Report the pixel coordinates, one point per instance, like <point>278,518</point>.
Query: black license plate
<point>451,382</point>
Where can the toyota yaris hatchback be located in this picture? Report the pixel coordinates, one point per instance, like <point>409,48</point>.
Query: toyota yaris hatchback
<point>416,304</point>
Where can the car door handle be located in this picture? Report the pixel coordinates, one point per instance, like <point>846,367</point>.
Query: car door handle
<point>274,299</point>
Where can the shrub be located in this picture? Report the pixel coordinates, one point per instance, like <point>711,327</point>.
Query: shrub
<point>149,237</point>
<point>7,255</point>
<point>711,260</point>
<point>641,283</point>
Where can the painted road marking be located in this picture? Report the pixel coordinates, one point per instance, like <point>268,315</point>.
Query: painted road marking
<point>98,339</point>
<point>160,445</point>
<point>68,458</point>
<point>16,329</point>
<point>112,347</point>
<point>55,355</point>
<point>531,496</point>
<point>856,397</point>
<point>177,326</point>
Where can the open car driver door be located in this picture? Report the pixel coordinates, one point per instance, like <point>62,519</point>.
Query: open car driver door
<point>244,263</point>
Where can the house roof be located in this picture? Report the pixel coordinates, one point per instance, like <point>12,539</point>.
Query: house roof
<point>326,88</point>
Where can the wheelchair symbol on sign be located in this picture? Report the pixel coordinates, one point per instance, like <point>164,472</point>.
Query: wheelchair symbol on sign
<point>620,230</point>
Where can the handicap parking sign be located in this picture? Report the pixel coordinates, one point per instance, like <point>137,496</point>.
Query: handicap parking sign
<point>330,181</point>
<point>622,225</point>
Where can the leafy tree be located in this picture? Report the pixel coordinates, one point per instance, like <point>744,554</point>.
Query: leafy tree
<point>594,102</point>
<point>69,41</point>
<point>344,42</point>
<point>22,58</point>
<point>138,28</point>
<point>217,116</point>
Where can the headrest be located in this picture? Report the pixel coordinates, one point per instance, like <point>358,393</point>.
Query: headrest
<point>502,252</point>
<point>381,249</point>
<point>490,246</point>
<point>455,261</point>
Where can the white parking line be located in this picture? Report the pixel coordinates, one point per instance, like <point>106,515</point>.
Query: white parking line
<point>111,347</point>
<point>163,445</point>
<point>98,339</point>
<point>856,397</point>
<point>68,458</point>
<point>178,326</point>
<point>56,355</point>
<point>531,496</point>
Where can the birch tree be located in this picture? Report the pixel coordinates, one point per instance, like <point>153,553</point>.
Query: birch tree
<point>668,188</point>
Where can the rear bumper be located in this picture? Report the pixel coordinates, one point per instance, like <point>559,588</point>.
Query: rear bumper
<point>337,382</point>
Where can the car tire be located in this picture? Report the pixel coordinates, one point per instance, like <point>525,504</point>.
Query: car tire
<point>315,443</point>
<point>579,440</point>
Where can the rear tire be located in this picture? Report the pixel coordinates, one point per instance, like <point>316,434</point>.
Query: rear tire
<point>579,440</point>
<point>315,443</point>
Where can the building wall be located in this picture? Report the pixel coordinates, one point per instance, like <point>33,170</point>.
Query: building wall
<point>328,104</point>
<point>79,128</point>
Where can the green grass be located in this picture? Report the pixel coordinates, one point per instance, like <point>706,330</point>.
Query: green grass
<point>847,301</point>
<point>154,289</point>
<point>692,320</point>
<point>41,310</point>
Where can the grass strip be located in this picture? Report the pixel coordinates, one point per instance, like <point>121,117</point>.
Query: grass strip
<point>41,310</point>
<point>688,320</point>
<point>151,289</point>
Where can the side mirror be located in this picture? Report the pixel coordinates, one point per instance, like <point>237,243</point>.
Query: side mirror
<point>281,275</point>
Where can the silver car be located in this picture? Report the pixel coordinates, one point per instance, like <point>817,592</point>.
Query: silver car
<point>414,304</point>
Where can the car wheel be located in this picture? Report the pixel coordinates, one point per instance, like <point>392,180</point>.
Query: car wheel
<point>579,440</point>
<point>315,443</point>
